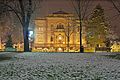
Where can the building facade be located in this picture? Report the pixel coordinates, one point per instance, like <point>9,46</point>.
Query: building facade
<point>57,32</point>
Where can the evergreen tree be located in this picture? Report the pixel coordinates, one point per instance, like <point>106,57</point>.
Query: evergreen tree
<point>107,42</point>
<point>9,42</point>
<point>97,29</point>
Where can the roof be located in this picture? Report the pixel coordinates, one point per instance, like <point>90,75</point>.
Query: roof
<point>60,12</point>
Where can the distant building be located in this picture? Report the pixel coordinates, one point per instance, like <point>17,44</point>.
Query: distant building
<point>115,47</point>
<point>52,33</point>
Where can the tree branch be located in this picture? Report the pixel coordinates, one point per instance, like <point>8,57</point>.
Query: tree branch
<point>115,6</point>
<point>86,7</point>
<point>76,10</point>
<point>13,11</point>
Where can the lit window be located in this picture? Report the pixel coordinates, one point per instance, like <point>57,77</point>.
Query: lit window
<point>78,29</point>
<point>51,38</point>
<point>40,29</point>
<point>52,27</point>
<point>60,26</point>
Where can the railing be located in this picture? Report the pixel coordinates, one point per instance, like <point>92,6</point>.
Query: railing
<point>55,45</point>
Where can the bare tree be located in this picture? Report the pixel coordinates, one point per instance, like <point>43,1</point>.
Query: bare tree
<point>23,9</point>
<point>5,22</point>
<point>81,7</point>
<point>115,17</point>
<point>116,4</point>
<point>69,29</point>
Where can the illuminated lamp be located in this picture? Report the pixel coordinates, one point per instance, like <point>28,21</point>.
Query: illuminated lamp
<point>59,49</point>
<point>30,35</point>
<point>59,37</point>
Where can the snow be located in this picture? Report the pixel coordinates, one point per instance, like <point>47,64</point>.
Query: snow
<point>60,66</point>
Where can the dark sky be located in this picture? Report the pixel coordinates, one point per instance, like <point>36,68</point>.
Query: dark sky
<point>50,6</point>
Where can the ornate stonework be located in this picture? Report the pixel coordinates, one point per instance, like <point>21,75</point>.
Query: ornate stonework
<point>56,30</point>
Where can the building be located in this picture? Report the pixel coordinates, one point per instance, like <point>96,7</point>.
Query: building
<point>115,47</point>
<point>57,32</point>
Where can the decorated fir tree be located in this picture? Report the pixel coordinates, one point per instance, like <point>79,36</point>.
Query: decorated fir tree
<point>98,28</point>
<point>9,42</point>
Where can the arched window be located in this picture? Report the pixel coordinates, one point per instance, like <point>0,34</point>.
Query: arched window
<point>52,27</point>
<point>78,29</point>
<point>51,38</point>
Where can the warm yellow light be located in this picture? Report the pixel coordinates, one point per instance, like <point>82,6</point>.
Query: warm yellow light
<point>59,49</point>
<point>52,42</point>
<point>59,37</point>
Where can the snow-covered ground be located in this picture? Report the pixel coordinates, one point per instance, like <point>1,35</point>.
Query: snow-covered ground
<point>60,66</point>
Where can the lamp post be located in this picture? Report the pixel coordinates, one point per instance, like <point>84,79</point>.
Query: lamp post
<point>31,39</point>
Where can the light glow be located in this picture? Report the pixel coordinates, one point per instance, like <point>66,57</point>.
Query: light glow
<point>60,38</point>
<point>30,35</point>
<point>59,49</point>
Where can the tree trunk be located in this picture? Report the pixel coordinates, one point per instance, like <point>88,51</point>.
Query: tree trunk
<point>81,47</point>
<point>68,39</point>
<point>25,23</point>
<point>26,40</point>
<point>80,19</point>
<point>26,32</point>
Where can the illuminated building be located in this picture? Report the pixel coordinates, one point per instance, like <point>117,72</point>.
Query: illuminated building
<point>115,47</point>
<point>52,33</point>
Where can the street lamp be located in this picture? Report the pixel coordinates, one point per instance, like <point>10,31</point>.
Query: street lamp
<point>31,38</point>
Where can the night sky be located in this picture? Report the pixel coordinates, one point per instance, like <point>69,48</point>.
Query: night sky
<point>50,6</point>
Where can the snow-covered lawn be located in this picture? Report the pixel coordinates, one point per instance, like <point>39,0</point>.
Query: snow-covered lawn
<point>60,66</point>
